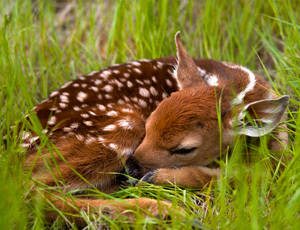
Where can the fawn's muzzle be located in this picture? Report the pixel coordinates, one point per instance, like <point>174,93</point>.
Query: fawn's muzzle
<point>133,168</point>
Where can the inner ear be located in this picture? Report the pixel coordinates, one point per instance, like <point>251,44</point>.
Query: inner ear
<point>261,117</point>
<point>187,72</point>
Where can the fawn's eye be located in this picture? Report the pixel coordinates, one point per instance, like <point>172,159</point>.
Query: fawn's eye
<point>183,151</point>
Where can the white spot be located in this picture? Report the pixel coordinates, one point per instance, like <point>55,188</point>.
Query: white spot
<point>211,80</point>
<point>108,88</point>
<point>54,94</point>
<point>109,128</point>
<point>119,84</point>
<point>126,110</point>
<point>81,96</point>
<point>53,109</point>
<point>126,75</point>
<point>52,121</point>
<point>139,81</point>
<point>94,88</point>
<point>92,73</point>
<point>112,113</point>
<point>25,135</point>
<point>82,78</point>
<point>64,98</point>
<point>135,63</point>
<point>137,70</point>
<point>76,108</point>
<point>79,137</point>
<point>135,99</point>
<point>84,115</point>
<point>67,129</point>
<point>129,84</point>
<point>144,92</point>
<point>202,71</point>
<point>75,85</point>
<point>126,99</point>
<point>84,85</point>
<point>66,85</point>
<point>159,64</point>
<point>169,83</point>
<point>108,96</point>
<point>120,102</point>
<point>116,71</point>
<point>62,105</point>
<point>90,140</point>
<point>105,73</point>
<point>101,139</point>
<point>92,113</point>
<point>171,71</point>
<point>58,111</point>
<point>74,125</point>
<point>252,80</point>
<point>88,123</point>
<point>84,105</point>
<point>142,103</point>
<point>100,96</point>
<point>125,124</point>
<point>154,79</point>
<point>44,131</point>
<point>144,60</point>
<point>65,93</point>
<point>164,96</point>
<point>148,82</point>
<point>98,82</point>
<point>113,146</point>
<point>33,139</point>
<point>127,152</point>
<point>101,107</point>
<point>25,145</point>
<point>153,91</point>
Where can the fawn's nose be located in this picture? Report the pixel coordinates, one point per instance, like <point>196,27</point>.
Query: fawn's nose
<point>133,168</point>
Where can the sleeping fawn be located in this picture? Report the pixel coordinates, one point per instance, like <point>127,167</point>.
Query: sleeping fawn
<point>160,116</point>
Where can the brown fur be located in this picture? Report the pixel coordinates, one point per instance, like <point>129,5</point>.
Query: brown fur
<point>99,121</point>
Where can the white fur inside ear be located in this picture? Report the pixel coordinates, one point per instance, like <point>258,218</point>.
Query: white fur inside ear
<point>255,131</point>
<point>270,111</point>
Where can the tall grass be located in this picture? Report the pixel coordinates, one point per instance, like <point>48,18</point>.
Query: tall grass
<point>46,43</point>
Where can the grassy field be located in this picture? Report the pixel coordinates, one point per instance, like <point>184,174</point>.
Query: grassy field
<point>44,44</point>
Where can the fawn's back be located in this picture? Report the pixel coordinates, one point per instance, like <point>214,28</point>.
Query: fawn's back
<point>100,120</point>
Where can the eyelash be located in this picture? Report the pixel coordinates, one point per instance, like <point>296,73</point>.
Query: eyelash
<point>183,151</point>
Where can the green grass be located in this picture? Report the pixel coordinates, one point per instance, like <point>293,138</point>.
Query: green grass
<point>42,47</point>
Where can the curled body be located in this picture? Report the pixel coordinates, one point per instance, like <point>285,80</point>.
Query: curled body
<point>161,116</point>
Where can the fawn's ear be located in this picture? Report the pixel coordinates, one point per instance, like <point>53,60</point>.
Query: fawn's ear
<point>187,72</point>
<point>261,117</point>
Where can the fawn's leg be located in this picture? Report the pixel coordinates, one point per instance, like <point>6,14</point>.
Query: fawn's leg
<point>113,208</point>
<point>188,176</point>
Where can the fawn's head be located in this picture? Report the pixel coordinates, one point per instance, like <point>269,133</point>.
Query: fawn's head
<point>184,129</point>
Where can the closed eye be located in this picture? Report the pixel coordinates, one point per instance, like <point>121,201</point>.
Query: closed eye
<point>183,151</point>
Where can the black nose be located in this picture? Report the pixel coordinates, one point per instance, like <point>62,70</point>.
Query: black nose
<point>133,168</point>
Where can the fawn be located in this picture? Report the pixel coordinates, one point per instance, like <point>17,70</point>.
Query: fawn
<point>160,116</point>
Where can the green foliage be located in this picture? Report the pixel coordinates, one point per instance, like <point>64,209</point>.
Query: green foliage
<point>46,43</point>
